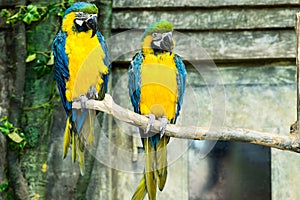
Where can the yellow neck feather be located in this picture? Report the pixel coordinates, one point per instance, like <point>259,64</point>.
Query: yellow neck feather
<point>68,23</point>
<point>146,45</point>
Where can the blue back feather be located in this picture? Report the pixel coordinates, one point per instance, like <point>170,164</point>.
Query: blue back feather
<point>134,83</point>
<point>61,71</point>
<point>181,76</point>
<point>106,61</point>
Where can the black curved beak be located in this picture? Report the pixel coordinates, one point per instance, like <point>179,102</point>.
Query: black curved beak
<point>92,23</point>
<point>167,42</point>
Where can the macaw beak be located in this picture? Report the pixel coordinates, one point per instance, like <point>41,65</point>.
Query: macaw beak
<point>92,23</point>
<point>167,42</point>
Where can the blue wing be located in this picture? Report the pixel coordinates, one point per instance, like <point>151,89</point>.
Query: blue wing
<point>61,71</point>
<point>181,79</point>
<point>106,61</point>
<point>134,82</point>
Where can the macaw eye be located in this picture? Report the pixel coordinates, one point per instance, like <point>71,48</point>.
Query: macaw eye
<point>92,15</point>
<point>81,15</point>
<point>156,36</point>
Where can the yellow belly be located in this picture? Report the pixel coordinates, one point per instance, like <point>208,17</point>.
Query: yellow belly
<point>158,86</point>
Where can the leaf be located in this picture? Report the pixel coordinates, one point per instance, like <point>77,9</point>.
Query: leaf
<point>4,118</point>
<point>51,60</point>
<point>3,186</point>
<point>70,2</point>
<point>15,137</point>
<point>8,125</point>
<point>39,67</point>
<point>15,16</point>
<point>27,20</point>
<point>31,14</point>
<point>4,130</point>
<point>5,13</point>
<point>31,7</point>
<point>30,57</point>
<point>60,12</point>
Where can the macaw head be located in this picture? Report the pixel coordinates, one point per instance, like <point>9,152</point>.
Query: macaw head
<point>159,36</point>
<point>83,17</point>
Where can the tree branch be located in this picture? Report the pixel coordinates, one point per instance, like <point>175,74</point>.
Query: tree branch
<point>289,142</point>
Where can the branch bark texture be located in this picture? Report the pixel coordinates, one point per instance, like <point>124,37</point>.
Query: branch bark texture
<point>290,142</point>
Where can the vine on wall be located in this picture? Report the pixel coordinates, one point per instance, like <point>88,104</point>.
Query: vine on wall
<point>32,15</point>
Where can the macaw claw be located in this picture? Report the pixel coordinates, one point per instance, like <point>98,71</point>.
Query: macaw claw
<point>164,121</point>
<point>82,99</point>
<point>92,93</point>
<point>150,123</point>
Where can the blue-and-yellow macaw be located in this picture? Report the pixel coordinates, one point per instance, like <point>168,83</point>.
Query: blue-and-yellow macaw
<point>156,88</point>
<point>81,70</point>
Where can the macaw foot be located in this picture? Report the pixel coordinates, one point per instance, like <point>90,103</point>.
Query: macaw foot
<point>92,93</point>
<point>163,124</point>
<point>82,99</point>
<point>150,123</point>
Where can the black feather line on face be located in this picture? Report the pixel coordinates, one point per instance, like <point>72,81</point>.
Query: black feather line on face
<point>81,28</point>
<point>84,22</point>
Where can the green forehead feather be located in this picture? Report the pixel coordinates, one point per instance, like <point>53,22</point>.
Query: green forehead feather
<point>82,7</point>
<point>158,27</point>
<point>90,9</point>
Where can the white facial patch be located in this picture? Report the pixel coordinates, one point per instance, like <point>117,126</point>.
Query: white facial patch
<point>157,43</point>
<point>80,15</point>
<point>79,22</point>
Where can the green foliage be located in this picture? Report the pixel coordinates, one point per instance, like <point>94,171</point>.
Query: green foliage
<point>43,62</point>
<point>31,57</point>
<point>33,134</point>
<point>33,13</point>
<point>4,186</point>
<point>17,139</point>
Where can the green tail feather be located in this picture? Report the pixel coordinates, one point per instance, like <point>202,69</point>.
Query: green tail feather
<point>140,191</point>
<point>74,138</point>
<point>67,138</point>
<point>81,161</point>
<point>155,169</point>
<point>87,132</point>
<point>79,140</point>
<point>86,138</point>
<point>151,183</point>
<point>90,137</point>
<point>161,161</point>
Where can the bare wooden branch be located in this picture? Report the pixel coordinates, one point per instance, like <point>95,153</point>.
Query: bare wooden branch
<point>289,142</point>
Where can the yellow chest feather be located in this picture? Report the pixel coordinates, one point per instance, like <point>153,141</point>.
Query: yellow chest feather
<point>159,85</point>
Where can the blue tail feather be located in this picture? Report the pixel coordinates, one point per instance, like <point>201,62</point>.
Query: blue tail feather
<point>79,117</point>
